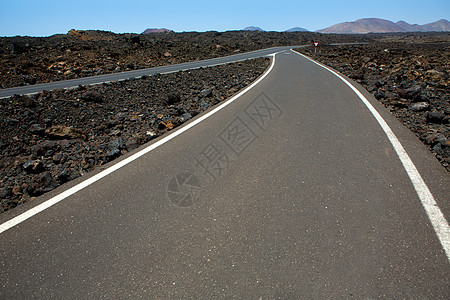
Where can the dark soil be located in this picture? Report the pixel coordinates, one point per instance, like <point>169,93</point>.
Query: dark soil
<point>411,80</point>
<point>53,137</point>
<point>31,60</point>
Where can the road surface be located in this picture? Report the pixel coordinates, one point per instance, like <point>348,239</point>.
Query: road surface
<point>291,191</point>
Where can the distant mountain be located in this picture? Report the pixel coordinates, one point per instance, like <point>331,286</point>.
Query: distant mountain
<point>408,27</point>
<point>382,26</point>
<point>364,26</point>
<point>296,29</point>
<point>156,30</point>
<point>253,28</point>
<point>441,25</point>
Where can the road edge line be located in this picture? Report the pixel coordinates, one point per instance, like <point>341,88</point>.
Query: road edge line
<point>54,200</point>
<point>435,215</point>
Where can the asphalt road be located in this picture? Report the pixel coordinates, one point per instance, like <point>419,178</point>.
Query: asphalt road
<point>136,73</point>
<point>291,191</point>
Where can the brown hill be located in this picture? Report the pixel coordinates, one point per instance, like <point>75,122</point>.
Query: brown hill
<point>364,26</point>
<point>441,25</point>
<point>156,30</point>
<point>384,26</point>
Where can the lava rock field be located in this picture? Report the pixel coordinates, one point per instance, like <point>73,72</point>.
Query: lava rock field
<point>53,137</point>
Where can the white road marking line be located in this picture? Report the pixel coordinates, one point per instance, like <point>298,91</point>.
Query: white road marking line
<point>433,211</point>
<point>52,201</point>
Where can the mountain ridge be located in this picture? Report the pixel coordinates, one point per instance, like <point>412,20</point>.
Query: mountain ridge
<point>360,26</point>
<point>376,25</point>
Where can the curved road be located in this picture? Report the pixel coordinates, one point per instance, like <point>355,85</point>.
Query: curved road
<point>137,73</point>
<point>291,190</point>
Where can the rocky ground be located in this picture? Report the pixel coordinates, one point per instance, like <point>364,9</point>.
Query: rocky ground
<point>53,137</point>
<point>411,80</point>
<point>31,60</point>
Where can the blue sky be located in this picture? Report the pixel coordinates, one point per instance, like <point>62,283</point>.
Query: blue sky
<point>47,17</point>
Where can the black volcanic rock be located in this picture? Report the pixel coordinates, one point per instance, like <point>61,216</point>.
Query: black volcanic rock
<point>82,135</point>
<point>86,53</point>
<point>435,117</point>
<point>41,184</point>
<point>92,96</point>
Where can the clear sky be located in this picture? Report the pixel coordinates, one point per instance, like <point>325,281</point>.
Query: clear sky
<point>47,17</point>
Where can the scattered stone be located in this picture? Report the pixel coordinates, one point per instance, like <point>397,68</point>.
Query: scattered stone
<point>379,94</point>
<point>115,132</point>
<point>25,101</point>
<point>64,132</point>
<point>48,122</point>
<point>92,96</point>
<point>204,105</point>
<point>29,79</point>
<point>206,93</point>
<point>445,144</point>
<point>116,144</point>
<point>357,75</point>
<point>5,192</point>
<point>180,110</point>
<point>419,106</point>
<point>435,138</point>
<point>58,158</point>
<point>165,125</point>
<point>43,147</point>
<point>411,92</point>
<point>41,184</point>
<point>150,135</point>
<point>173,99</point>
<point>185,117</point>
<point>37,129</point>
<point>132,143</point>
<point>66,175</point>
<point>399,103</point>
<point>8,204</point>
<point>33,166</point>
<point>113,154</point>
<point>121,116</point>
<point>435,117</point>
